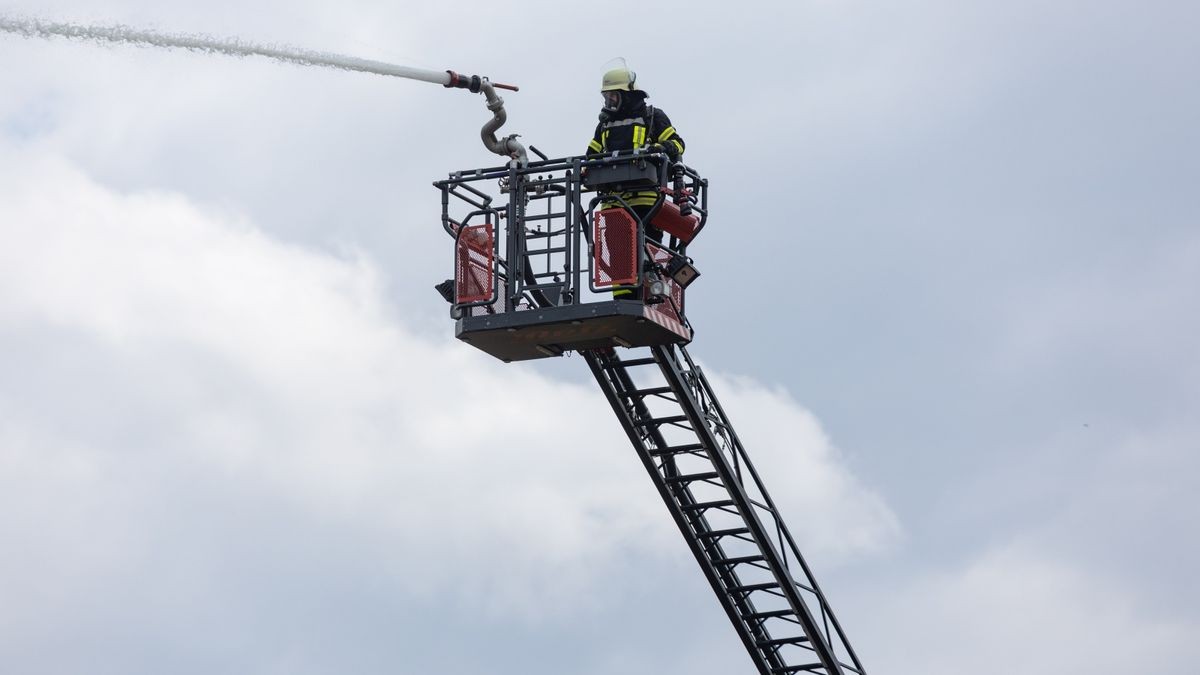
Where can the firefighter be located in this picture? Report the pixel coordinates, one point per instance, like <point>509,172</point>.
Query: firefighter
<point>628,122</point>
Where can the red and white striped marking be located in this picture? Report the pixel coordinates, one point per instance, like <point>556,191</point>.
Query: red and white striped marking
<point>667,319</point>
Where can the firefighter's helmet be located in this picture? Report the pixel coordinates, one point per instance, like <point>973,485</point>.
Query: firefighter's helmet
<point>618,77</point>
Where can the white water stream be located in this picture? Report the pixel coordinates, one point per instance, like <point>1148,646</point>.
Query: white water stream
<point>35,28</point>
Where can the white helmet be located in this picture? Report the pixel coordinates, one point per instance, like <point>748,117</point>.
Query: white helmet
<point>618,77</point>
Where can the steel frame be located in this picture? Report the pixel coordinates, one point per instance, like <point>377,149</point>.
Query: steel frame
<point>545,257</point>
<point>664,403</point>
<point>715,495</point>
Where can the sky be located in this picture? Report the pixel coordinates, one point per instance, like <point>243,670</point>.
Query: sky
<point>950,300</point>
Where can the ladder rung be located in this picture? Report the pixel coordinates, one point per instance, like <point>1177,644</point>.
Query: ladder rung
<point>651,391</point>
<point>661,420</point>
<point>676,449</point>
<point>782,641</point>
<point>774,614</point>
<point>740,559</point>
<point>635,362</point>
<point>730,532</point>
<point>750,588</point>
<point>693,477</point>
<point>807,668</point>
<point>709,505</point>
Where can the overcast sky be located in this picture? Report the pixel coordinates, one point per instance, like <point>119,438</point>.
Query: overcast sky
<point>950,298</point>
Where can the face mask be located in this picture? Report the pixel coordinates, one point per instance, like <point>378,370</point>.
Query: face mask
<point>612,100</point>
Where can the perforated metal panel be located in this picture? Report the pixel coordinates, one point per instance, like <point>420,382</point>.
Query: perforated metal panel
<point>474,276</point>
<point>615,235</point>
<point>670,312</point>
<point>494,308</point>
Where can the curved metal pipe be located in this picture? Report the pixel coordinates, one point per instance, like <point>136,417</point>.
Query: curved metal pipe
<point>508,146</point>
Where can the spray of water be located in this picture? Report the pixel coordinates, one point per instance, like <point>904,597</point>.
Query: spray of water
<point>34,28</point>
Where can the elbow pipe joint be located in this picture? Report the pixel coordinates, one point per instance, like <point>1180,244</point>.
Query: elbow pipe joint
<point>508,146</point>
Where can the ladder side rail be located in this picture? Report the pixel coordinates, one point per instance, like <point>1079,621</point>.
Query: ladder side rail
<point>698,527</point>
<point>696,519</point>
<point>734,607</point>
<point>783,534</point>
<point>819,643</point>
<point>781,526</point>
<point>763,649</point>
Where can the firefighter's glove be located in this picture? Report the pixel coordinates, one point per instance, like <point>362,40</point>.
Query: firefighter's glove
<point>669,150</point>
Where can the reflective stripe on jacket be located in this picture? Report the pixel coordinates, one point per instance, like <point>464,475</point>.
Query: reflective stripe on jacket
<point>647,126</point>
<point>635,131</point>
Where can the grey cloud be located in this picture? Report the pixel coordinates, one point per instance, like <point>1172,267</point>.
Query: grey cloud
<point>213,434</point>
<point>987,211</point>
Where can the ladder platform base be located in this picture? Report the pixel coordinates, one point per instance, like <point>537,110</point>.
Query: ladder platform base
<point>550,331</point>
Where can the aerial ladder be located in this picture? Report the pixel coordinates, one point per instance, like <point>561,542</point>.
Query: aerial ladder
<point>539,248</point>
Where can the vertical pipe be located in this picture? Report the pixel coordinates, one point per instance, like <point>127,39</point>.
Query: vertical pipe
<point>515,232</point>
<point>574,223</point>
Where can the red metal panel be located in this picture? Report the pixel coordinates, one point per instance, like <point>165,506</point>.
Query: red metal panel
<point>667,313</point>
<point>614,234</point>
<point>669,220</point>
<point>496,307</point>
<point>474,273</point>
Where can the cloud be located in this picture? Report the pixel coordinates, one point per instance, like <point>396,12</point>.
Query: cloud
<point>804,470</point>
<point>221,451</point>
<point>1078,551</point>
<point>1015,609</point>
<point>206,427</point>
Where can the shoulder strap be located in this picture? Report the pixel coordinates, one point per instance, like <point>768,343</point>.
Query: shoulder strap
<point>654,125</point>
